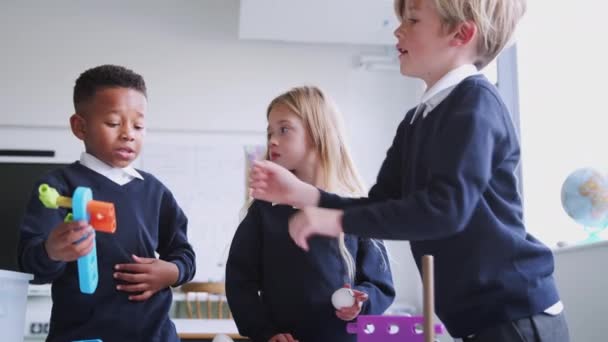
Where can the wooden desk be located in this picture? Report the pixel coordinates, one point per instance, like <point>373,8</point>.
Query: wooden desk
<point>205,329</point>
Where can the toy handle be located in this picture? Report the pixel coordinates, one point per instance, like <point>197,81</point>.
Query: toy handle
<point>88,276</point>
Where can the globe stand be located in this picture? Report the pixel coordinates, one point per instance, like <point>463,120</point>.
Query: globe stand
<point>594,235</point>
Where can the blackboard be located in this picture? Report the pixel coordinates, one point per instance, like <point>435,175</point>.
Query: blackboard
<point>16,183</point>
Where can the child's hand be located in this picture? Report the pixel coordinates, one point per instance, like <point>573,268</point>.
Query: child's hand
<point>69,241</point>
<point>273,183</point>
<point>314,221</point>
<point>147,276</point>
<point>282,338</point>
<point>351,312</point>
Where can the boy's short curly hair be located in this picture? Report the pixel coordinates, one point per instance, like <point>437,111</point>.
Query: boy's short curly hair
<point>495,19</point>
<point>106,76</point>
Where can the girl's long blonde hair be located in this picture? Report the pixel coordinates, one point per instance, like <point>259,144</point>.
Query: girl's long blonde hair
<point>324,125</point>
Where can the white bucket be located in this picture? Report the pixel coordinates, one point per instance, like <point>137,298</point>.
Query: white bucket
<point>13,300</point>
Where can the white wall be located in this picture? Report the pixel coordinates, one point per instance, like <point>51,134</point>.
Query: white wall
<point>200,78</point>
<point>562,76</point>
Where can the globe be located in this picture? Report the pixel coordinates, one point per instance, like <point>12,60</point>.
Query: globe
<point>585,200</point>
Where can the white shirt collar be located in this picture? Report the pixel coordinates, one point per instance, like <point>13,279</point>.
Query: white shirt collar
<point>440,90</point>
<point>120,176</point>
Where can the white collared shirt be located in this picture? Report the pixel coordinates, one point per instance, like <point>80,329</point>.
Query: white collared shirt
<point>433,96</point>
<point>120,176</point>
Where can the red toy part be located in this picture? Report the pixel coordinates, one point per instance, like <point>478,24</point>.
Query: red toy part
<point>102,216</point>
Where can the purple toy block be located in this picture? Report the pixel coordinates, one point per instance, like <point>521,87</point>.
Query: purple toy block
<point>375,328</point>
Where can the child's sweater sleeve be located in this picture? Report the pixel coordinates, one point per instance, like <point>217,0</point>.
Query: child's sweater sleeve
<point>460,165</point>
<point>374,276</point>
<point>173,245</point>
<point>244,279</point>
<point>35,228</point>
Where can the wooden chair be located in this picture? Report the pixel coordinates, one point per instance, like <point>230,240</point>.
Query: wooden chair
<point>214,292</point>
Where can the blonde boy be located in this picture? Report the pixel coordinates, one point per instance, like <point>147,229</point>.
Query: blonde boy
<point>448,182</point>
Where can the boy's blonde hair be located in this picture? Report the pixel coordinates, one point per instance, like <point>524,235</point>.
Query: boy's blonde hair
<point>495,19</point>
<point>323,122</point>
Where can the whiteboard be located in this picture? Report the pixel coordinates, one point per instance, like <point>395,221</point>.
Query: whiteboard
<point>206,172</point>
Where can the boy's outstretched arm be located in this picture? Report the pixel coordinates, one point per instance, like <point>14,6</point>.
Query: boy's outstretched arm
<point>473,144</point>
<point>244,279</point>
<point>272,183</point>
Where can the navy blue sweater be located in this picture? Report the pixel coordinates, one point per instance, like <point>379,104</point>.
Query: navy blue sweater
<point>148,221</point>
<point>448,185</point>
<point>274,287</point>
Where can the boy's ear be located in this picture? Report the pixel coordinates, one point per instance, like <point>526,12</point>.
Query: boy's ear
<point>464,33</point>
<point>78,126</point>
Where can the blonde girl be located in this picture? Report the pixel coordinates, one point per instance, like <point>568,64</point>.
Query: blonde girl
<point>276,291</point>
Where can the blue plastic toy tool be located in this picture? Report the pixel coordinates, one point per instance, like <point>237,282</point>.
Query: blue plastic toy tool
<point>87,264</point>
<point>100,215</point>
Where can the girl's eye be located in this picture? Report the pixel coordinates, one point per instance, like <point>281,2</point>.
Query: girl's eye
<point>139,127</point>
<point>112,124</point>
<point>283,130</point>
